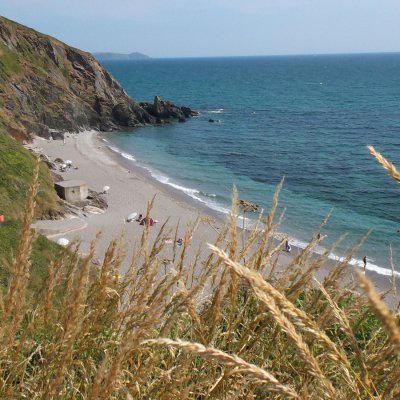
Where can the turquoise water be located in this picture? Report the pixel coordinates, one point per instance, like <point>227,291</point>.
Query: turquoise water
<point>308,118</point>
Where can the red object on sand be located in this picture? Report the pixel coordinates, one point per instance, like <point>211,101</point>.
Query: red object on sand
<point>1,218</point>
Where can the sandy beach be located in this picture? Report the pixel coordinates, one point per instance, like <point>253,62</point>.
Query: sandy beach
<point>130,191</point>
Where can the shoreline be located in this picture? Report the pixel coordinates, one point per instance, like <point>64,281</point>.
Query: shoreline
<point>132,186</point>
<point>130,191</point>
<point>118,156</point>
<point>146,175</point>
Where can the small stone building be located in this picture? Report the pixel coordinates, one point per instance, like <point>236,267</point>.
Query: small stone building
<point>73,191</point>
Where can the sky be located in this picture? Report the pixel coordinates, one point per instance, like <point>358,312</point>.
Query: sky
<point>209,28</point>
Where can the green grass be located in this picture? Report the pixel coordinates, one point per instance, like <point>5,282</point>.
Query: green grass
<point>16,168</point>
<point>9,64</point>
<point>43,251</point>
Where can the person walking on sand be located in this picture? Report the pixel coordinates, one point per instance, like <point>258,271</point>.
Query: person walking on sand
<point>365,263</point>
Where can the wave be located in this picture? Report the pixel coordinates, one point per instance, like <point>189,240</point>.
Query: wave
<point>313,83</point>
<point>217,111</point>
<point>123,154</point>
<point>193,193</point>
<point>208,199</point>
<point>355,262</point>
<point>208,194</point>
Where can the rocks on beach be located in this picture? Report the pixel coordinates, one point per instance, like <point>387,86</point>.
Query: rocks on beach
<point>93,202</point>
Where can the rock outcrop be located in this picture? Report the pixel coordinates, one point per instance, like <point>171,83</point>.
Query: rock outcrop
<point>163,110</point>
<point>47,88</point>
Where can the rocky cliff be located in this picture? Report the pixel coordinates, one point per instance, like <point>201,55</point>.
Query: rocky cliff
<point>47,88</point>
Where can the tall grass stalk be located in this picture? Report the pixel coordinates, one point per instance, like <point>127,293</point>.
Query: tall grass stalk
<point>229,321</point>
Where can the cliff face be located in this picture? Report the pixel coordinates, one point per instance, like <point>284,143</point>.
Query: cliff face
<point>47,87</point>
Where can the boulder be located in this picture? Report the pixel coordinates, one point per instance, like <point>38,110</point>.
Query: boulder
<point>93,210</point>
<point>56,177</point>
<point>97,200</point>
<point>187,112</point>
<point>51,165</point>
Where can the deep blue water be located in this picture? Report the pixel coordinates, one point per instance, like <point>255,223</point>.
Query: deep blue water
<point>308,118</point>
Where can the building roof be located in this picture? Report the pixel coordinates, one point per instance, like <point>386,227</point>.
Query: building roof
<point>71,183</point>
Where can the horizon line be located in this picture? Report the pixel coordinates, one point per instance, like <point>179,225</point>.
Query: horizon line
<point>248,56</point>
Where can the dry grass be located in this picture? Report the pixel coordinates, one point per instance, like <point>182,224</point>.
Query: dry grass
<point>239,327</point>
<point>387,165</point>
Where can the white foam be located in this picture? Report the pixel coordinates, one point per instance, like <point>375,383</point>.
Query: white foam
<point>218,111</point>
<point>208,194</point>
<point>128,156</point>
<point>249,223</point>
<point>193,193</point>
<point>370,266</point>
<point>123,154</point>
<point>353,261</point>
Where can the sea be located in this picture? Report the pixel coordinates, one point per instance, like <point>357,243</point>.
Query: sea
<point>307,119</point>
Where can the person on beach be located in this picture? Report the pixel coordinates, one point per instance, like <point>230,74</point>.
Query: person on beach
<point>148,221</point>
<point>288,247</point>
<point>365,263</point>
<point>179,242</point>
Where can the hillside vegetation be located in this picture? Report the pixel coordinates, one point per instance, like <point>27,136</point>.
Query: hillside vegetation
<point>16,170</point>
<point>42,253</point>
<point>229,327</point>
<point>17,166</point>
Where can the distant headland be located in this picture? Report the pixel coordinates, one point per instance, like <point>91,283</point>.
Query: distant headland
<point>120,56</point>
